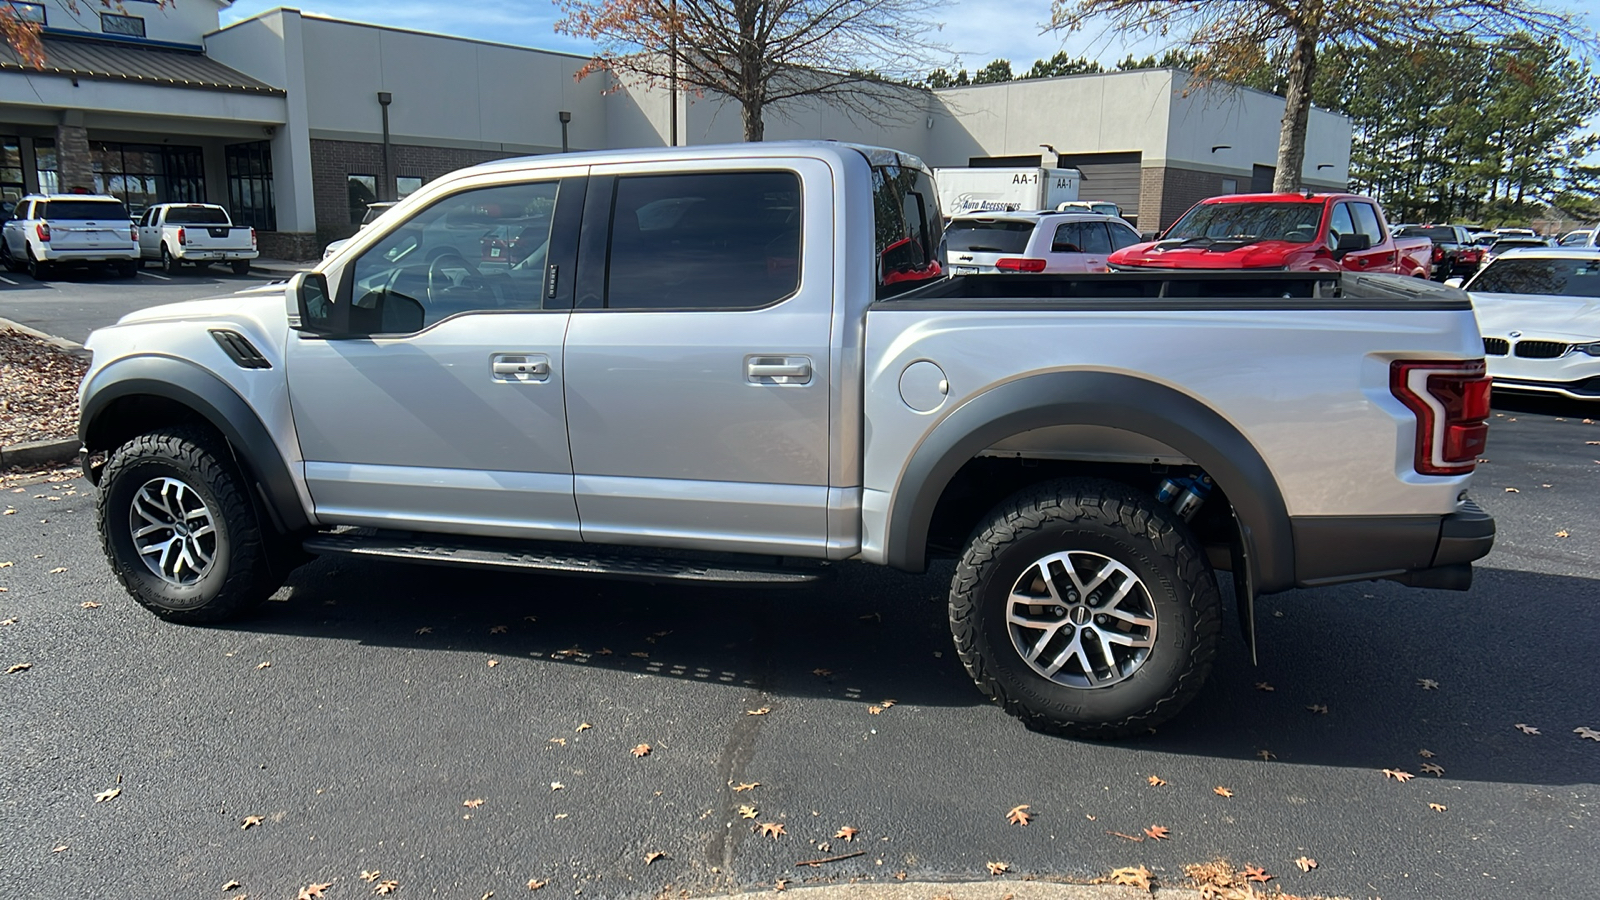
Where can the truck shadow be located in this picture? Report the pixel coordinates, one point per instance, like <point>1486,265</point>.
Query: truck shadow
<point>1498,655</point>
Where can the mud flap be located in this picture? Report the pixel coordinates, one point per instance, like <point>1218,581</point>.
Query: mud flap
<point>1244,588</point>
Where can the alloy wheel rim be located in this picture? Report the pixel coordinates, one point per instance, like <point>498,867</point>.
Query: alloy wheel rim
<point>1081,619</point>
<point>173,531</point>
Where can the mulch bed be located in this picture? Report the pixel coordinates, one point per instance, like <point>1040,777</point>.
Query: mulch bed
<point>38,389</point>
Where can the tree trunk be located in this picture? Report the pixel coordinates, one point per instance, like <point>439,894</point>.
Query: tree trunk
<point>753,73</point>
<point>1296,110</point>
<point>754,128</point>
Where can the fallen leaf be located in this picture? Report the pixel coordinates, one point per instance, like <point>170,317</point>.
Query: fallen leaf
<point>1562,533</point>
<point>557,740</point>
<point>493,663</point>
<point>1155,781</point>
<point>1437,807</point>
<point>1306,863</point>
<point>10,621</point>
<point>1586,733</point>
<point>758,712</point>
<point>425,630</point>
<point>369,876</point>
<point>111,794</point>
<point>654,855</point>
<point>1526,729</point>
<point>747,812</point>
<point>1510,490</point>
<point>1158,832</point>
<point>1263,686</point>
<point>746,786</point>
<point>557,786</point>
<point>1398,775</point>
<point>19,667</point>
<point>1318,708</point>
<point>640,653</point>
<point>641,750</point>
<point>1131,876</point>
<point>535,884</point>
<point>1019,815</point>
<point>264,665</point>
<point>250,821</point>
<point>822,672</point>
<point>847,833</point>
<point>874,710</point>
<point>1256,873</point>
<point>88,604</point>
<point>1426,754</point>
<point>472,804</point>
<point>999,868</point>
<point>9,512</point>
<point>59,849</point>
<point>58,570</point>
<point>1266,755</point>
<point>780,885</point>
<point>232,886</point>
<point>772,829</point>
<point>6,565</point>
<point>386,887</point>
<point>1433,769</point>
<point>1221,791</point>
<point>1428,684</point>
<point>499,629</point>
<point>312,891</point>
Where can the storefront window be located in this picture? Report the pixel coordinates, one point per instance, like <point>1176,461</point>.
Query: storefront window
<point>44,165</point>
<point>11,185</point>
<point>406,185</point>
<point>363,189</point>
<point>250,185</point>
<point>142,174</point>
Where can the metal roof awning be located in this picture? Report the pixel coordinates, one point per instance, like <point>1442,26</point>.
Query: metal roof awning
<point>106,61</point>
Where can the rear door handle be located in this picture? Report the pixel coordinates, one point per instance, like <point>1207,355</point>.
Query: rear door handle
<point>777,369</point>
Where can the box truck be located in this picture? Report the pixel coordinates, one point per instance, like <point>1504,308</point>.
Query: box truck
<point>1005,190</point>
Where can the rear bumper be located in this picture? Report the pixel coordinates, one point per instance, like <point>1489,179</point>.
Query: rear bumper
<point>200,254</point>
<point>1423,551</point>
<point>88,255</point>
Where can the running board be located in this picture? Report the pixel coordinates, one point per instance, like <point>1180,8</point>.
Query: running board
<point>566,559</point>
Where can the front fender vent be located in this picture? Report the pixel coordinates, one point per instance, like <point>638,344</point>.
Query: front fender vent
<point>240,350</point>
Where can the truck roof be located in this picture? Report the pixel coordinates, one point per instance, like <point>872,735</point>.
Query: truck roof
<point>876,156</point>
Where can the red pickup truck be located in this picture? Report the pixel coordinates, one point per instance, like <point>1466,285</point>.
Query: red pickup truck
<point>1297,232</point>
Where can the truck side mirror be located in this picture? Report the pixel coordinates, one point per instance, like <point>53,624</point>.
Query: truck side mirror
<point>1349,243</point>
<point>1455,282</point>
<point>311,307</point>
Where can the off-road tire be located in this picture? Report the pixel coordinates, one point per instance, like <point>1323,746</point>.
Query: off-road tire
<point>1108,518</point>
<point>169,263</point>
<point>241,267</point>
<point>240,576</point>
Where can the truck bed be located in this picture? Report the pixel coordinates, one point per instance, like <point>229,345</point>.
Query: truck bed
<point>1187,289</point>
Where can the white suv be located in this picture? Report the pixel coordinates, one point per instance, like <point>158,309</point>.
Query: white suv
<point>1029,242</point>
<point>57,230</point>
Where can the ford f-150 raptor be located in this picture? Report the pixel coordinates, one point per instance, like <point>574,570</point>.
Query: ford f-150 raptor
<point>714,363</point>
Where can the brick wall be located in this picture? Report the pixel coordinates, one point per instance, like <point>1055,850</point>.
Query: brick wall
<point>332,162</point>
<point>1152,180</point>
<point>1183,188</point>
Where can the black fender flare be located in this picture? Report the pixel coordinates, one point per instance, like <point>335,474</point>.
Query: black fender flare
<point>213,400</point>
<point>1096,398</point>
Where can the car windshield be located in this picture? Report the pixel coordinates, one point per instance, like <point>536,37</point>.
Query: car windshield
<point>84,209</point>
<point>1261,221</point>
<point>196,215</point>
<point>1541,275</point>
<point>1439,234</point>
<point>988,235</point>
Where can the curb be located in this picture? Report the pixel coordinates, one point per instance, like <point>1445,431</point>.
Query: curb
<point>986,890</point>
<point>40,453</point>
<point>61,342</point>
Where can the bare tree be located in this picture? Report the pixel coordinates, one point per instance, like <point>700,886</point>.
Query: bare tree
<point>762,52</point>
<point>1236,38</point>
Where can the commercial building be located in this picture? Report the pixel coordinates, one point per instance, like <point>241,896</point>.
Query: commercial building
<point>295,121</point>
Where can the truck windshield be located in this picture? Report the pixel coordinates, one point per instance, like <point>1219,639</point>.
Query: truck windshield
<point>987,236</point>
<point>1575,277</point>
<point>78,210</point>
<point>1275,220</point>
<point>196,215</point>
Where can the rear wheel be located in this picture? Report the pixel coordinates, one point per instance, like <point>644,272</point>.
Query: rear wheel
<point>1086,608</point>
<point>241,267</point>
<point>38,269</point>
<point>169,264</point>
<point>179,529</point>
<point>127,268</point>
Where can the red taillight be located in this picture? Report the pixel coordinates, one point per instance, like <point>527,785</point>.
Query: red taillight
<point>183,237</point>
<point>1019,264</point>
<point>1438,253</point>
<point>133,232</point>
<point>1451,401</point>
<point>1470,256</point>
<point>43,231</point>
<point>252,239</point>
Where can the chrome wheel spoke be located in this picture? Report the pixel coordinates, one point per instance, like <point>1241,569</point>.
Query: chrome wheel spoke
<point>1073,649</point>
<point>1067,639</point>
<point>1108,637</point>
<point>1130,618</point>
<point>173,530</point>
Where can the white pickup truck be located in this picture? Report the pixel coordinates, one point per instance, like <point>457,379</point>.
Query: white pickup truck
<point>746,364</point>
<point>199,233</point>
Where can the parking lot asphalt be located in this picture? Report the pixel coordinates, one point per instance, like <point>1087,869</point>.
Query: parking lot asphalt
<point>79,301</point>
<point>364,712</point>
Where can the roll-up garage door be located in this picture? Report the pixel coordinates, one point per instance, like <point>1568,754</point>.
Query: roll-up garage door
<point>1108,176</point>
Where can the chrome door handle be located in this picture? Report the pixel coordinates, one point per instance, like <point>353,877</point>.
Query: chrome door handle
<point>514,367</point>
<point>779,370</point>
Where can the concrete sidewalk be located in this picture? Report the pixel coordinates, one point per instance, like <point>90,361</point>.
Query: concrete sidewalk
<point>987,890</point>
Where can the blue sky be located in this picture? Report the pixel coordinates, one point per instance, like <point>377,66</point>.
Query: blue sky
<point>976,31</point>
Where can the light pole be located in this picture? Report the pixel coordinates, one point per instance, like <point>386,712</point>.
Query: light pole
<point>566,119</point>
<point>387,191</point>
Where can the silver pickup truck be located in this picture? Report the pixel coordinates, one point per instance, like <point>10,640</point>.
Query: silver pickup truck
<point>745,364</point>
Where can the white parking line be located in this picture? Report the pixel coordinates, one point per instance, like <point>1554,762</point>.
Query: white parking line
<point>154,275</point>
<point>7,280</point>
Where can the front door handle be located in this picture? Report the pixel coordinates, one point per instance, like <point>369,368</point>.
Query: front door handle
<point>519,367</point>
<point>777,369</point>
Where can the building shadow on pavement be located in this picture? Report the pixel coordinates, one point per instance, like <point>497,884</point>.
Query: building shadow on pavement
<point>1516,649</point>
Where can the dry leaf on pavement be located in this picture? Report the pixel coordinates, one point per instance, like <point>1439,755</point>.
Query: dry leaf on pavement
<point>19,667</point>
<point>822,672</point>
<point>1318,708</point>
<point>1158,832</point>
<point>313,891</point>
<point>654,855</point>
<point>58,570</point>
<point>999,868</point>
<point>88,604</point>
<point>232,886</point>
<point>1398,775</point>
<point>425,630</point>
<point>535,884</point>
<point>1586,733</point>
<point>493,663</point>
<point>874,710</point>
<point>748,812</point>
<point>1426,754</point>
<point>386,887</point>
<point>265,665</point>
<point>758,712</point>
<point>1511,490</point>
<point>1266,755</point>
<point>746,786</point>
<point>1306,863</point>
<point>472,804</point>
<point>582,726</point>
<point>1526,729</point>
<point>1019,815</point>
<point>1256,873</point>
<point>250,821</point>
<point>772,829</point>
<point>1433,769</point>
<point>1263,686</point>
<point>1437,807</point>
<point>1221,791</point>
<point>1131,876</point>
<point>1155,781</point>
<point>111,794</point>
<point>1428,684</point>
<point>847,833</point>
<point>369,876</point>
<point>499,629</point>
<point>641,750</point>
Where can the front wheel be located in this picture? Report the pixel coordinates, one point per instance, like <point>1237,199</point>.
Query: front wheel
<point>1086,608</point>
<point>179,529</point>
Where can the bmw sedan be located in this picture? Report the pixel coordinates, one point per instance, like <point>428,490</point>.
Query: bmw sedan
<point>1539,312</point>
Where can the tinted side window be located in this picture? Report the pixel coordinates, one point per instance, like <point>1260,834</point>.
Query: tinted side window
<point>1122,235</point>
<point>1068,239</point>
<point>726,240</point>
<point>479,250</point>
<point>1367,222</point>
<point>1341,223</point>
<point>1095,239</point>
<point>908,229</point>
